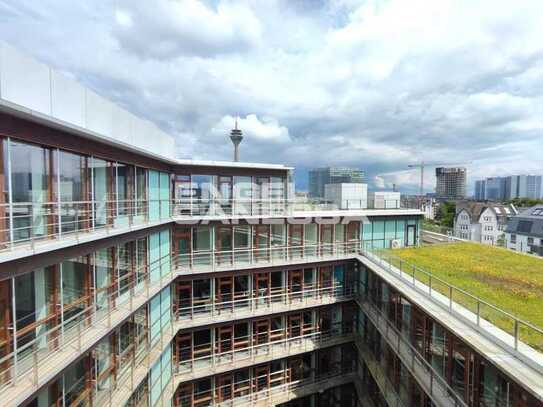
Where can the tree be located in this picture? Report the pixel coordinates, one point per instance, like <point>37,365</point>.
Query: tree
<point>447,210</point>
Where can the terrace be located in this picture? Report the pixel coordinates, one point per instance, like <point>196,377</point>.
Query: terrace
<point>504,283</point>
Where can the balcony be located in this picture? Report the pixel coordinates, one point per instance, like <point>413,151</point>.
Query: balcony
<point>237,259</point>
<point>46,353</point>
<point>217,208</point>
<point>196,313</point>
<point>429,380</point>
<point>251,392</point>
<point>30,228</point>
<point>241,352</point>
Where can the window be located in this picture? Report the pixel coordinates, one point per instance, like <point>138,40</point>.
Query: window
<point>513,239</point>
<point>32,176</point>
<point>524,226</point>
<point>530,240</point>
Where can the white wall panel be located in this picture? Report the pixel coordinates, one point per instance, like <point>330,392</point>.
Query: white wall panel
<point>24,81</point>
<point>68,100</point>
<point>122,125</point>
<point>36,87</point>
<point>99,114</point>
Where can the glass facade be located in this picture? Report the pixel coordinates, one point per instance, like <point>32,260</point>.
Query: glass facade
<point>49,192</point>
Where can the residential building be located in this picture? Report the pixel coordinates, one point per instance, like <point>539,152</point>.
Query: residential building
<point>524,232</point>
<point>427,204</point>
<point>482,222</point>
<point>510,187</point>
<point>131,278</point>
<point>319,177</point>
<point>347,196</point>
<point>451,183</point>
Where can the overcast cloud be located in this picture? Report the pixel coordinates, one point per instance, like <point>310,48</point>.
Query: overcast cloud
<point>373,84</point>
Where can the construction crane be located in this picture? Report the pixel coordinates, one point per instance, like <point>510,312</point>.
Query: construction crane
<point>422,164</point>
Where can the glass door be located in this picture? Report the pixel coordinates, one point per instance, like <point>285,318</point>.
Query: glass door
<point>295,284</point>
<point>183,246</point>
<point>225,189</point>
<point>262,195</point>
<point>184,299</point>
<point>411,235</point>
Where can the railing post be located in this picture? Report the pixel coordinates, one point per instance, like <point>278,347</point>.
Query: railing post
<point>516,334</point>
<point>478,312</point>
<point>450,297</point>
<point>79,336</point>
<point>35,363</point>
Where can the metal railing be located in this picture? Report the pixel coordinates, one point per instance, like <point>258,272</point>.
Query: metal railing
<point>276,343</point>
<point>206,308</point>
<point>136,369</point>
<point>50,350</point>
<point>28,223</point>
<point>190,207</point>
<point>492,320</point>
<point>432,382</point>
<point>249,393</point>
<point>210,260</point>
<point>388,390</point>
<point>25,224</point>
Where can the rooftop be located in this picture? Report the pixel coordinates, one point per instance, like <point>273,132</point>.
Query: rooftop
<point>528,222</point>
<point>510,281</point>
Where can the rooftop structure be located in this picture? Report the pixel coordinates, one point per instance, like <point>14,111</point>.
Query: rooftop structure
<point>131,278</point>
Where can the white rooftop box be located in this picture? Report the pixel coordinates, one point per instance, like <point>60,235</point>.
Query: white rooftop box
<point>347,195</point>
<point>384,200</point>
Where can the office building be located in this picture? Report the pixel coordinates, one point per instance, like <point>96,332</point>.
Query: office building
<point>480,187</point>
<point>319,177</point>
<point>510,187</point>
<point>129,277</point>
<point>451,183</point>
<point>524,186</point>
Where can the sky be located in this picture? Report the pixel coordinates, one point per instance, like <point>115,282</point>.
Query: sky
<point>377,84</point>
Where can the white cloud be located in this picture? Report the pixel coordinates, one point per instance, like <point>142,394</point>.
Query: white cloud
<point>376,84</point>
<point>169,29</point>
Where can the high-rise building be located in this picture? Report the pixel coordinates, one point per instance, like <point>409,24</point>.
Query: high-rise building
<point>480,187</point>
<point>319,177</point>
<point>131,278</point>
<point>510,187</point>
<point>451,183</point>
<point>524,186</point>
<point>495,188</point>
